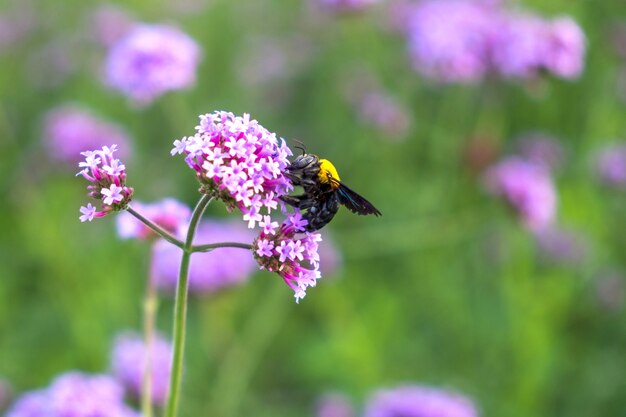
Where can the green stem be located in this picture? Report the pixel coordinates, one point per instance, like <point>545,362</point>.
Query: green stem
<point>156,228</point>
<point>149,318</point>
<point>209,247</point>
<point>180,310</point>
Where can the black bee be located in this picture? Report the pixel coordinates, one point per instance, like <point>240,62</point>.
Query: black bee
<point>323,191</point>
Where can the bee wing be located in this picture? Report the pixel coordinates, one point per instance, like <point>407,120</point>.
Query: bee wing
<point>354,202</point>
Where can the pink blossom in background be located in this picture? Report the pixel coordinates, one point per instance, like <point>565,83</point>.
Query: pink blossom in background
<point>128,364</point>
<point>346,5</point>
<point>566,46</point>
<point>419,401</point>
<point>450,40</point>
<point>170,214</point>
<point>69,129</point>
<point>109,23</point>
<point>527,187</point>
<point>74,394</point>
<point>210,271</point>
<point>334,405</point>
<point>611,164</point>
<point>385,113</point>
<point>16,24</point>
<point>541,149</point>
<point>562,245</point>
<point>151,60</point>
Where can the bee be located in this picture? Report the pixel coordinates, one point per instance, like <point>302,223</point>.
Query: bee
<point>323,191</point>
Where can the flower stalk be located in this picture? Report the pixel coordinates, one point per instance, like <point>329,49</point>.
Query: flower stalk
<point>180,310</point>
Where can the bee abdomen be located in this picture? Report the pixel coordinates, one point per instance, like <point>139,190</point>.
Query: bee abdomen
<point>320,215</point>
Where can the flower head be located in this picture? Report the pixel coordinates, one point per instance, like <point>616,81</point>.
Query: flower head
<point>611,165</point>
<point>238,161</point>
<point>449,40</point>
<point>151,60</point>
<point>562,245</point>
<point>344,6</point>
<point>419,401</point>
<point>68,129</point>
<point>527,187</point>
<point>334,405</point>
<point>541,149</point>
<point>108,178</point>
<point>128,364</point>
<point>292,253</point>
<point>75,394</point>
<point>168,213</point>
<point>209,271</point>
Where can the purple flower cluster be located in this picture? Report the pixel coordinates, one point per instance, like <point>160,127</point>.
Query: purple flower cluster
<point>562,245</point>
<point>168,213</point>
<point>150,61</point>
<point>419,401</point>
<point>129,360</point>
<point>463,41</point>
<point>346,5</point>
<point>528,188</point>
<point>238,161</point>
<point>109,23</point>
<point>107,176</point>
<point>289,252</point>
<point>334,405</point>
<point>77,395</point>
<point>541,149</point>
<point>210,271</point>
<point>611,165</point>
<point>68,129</point>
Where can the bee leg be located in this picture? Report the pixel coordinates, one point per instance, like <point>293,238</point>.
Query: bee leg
<point>295,179</point>
<point>294,200</point>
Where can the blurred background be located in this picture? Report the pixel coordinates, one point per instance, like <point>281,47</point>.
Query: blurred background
<point>488,133</point>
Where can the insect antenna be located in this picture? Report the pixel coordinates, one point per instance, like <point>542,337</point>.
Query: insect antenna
<point>300,145</point>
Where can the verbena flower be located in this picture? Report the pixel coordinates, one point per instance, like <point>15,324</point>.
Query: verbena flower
<point>290,252</point>
<point>528,44</point>
<point>449,40</point>
<point>151,60</point>
<point>168,213</point>
<point>527,187</point>
<point>611,165</point>
<point>107,176</point>
<point>334,405</point>
<point>419,401</point>
<point>346,5</point>
<point>77,395</point>
<point>562,245</point>
<point>541,149</point>
<point>109,23</point>
<point>210,271</point>
<point>70,129</point>
<point>238,161</point>
<point>129,359</point>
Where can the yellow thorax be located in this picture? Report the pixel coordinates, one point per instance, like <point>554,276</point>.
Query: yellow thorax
<point>328,170</point>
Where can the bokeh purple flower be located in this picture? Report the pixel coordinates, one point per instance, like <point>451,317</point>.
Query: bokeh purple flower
<point>290,252</point>
<point>168,213</point>
<point>210,271</point>
<point>562,245</point>
<point>334,405</point>
<point>77,395</point>
<point>527,187</point>
<point>611,165</point>
<point>528,44</point>
<point>129,360</point>
<point>344,6</point>
<point>541,149</point>
<point>107,176</point>
<point>419,401</point>
<point>450,40</point>
<point>462,41</point>
<point>109,23</point>
<point>239,162</point>
<point>150,61</point>
<point>69,129</point>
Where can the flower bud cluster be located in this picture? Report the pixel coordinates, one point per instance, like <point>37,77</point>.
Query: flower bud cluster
<point>239,162</point>
<point>107,176</point>
<point>290,252</point>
